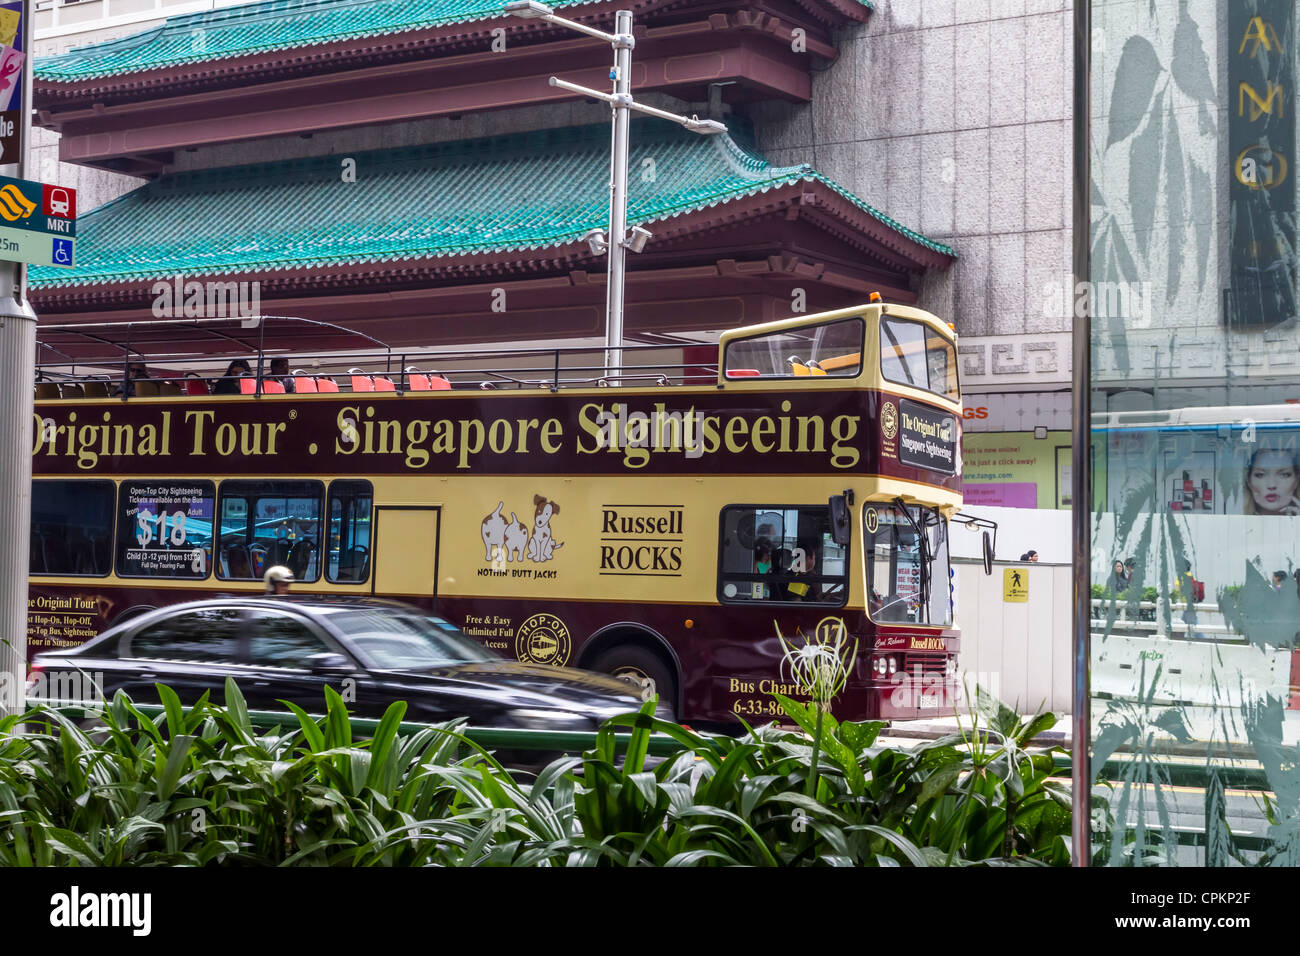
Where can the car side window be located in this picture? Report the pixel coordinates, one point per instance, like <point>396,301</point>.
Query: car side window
<point>206,636</point>
<point>276,639</point>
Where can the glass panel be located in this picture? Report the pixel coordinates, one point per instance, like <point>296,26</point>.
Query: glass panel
<point>404,641</point>
<point>912,353</point>
<point>265,523</point>
<point>281,640</point>
<point>1196,538</point>
<point>165,529</point>
<point>349,553</point>
<point>207,636</point>
<point>900,572</point>
<point>781,553</point>
<point>831,349</point>
<point>72,527</point>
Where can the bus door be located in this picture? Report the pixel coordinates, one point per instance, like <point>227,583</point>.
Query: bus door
<point>406,552</point>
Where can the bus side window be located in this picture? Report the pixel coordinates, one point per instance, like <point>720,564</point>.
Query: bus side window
<point>350,504</point>
<point>72,527</point>
<point>780,553</point>
<point>264,523</point>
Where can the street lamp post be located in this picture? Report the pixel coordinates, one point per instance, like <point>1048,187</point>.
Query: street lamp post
<point>621,103</point>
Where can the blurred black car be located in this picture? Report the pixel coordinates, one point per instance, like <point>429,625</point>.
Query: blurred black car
<point>371,650</point>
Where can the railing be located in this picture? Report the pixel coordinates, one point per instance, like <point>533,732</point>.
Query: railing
<point>545,368</point>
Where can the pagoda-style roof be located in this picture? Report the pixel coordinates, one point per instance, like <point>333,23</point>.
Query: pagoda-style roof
<point>508,201</point>
<point>282,26</point>
<point>296,67</point>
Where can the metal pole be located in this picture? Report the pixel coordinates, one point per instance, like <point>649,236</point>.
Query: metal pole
<point>1081,515</point>
<point>618,197</point>
<point>17,380</point>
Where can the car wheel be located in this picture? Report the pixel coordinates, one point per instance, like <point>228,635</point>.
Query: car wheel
<point>645,671</point>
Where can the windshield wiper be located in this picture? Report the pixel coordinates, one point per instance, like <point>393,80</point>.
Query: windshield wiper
<point>923,543</point>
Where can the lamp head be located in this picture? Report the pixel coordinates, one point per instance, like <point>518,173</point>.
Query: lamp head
<point>528,9</point>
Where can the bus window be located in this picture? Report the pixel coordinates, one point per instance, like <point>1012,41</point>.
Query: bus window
<point>349,553</point>
<point>164,529</point>
<point>907,580</point>
<point>834,348</point>
<point>265,523</point>
<point>780,553</point>
<point>912,353</point>
<point>72,527</point>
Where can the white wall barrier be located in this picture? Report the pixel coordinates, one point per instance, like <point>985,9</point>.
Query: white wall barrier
<point>1019,652</point>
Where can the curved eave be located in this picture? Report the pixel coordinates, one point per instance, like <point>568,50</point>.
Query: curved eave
<point>808,196</point>
<point>343,50</point>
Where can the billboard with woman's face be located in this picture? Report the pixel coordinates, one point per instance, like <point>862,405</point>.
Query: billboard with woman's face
<point>1271,481</point>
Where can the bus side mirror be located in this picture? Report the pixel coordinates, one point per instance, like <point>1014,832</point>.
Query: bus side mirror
<point>988,554</point>
<point>841,527</point>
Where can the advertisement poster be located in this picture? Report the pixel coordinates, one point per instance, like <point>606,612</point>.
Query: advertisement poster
<point>1015,469</point>
<point>165,529</point>
<point>12,57</point>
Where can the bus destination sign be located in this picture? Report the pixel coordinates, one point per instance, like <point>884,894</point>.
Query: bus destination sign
<point>927,437</point>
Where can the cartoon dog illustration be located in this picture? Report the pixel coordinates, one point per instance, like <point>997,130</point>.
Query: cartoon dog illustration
<point>542,544</point>
<point>494,532</point>
<point>516,539</point>
<point>510,537</point>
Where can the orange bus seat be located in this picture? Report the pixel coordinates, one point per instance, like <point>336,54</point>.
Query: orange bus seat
<point>362,383</point>
<point>168,388</point>
<point>96,389</point>
<point>196,386</point>
<point>417,382</point>
<point>304,384</point>
<point>146,388</point>
<point>326,384</point>
<point>384,384</point>
<point>439,384</point>
<point>247,385</point>
<point>743,373</point>
<point>840,361</point>
<point>272,387</point>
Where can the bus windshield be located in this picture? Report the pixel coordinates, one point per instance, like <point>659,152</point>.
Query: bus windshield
<point>907,564</point>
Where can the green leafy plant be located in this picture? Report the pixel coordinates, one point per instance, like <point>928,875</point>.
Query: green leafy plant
<point>202,786</point>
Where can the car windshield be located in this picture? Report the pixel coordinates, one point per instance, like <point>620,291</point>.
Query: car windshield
<point>394,639</point>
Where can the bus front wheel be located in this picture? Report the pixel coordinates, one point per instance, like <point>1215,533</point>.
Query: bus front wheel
<point>645,671</point>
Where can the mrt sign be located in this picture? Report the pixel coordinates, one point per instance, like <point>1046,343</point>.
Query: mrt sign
<point>38,223</point>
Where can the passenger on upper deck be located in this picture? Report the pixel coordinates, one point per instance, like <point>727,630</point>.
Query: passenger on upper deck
<point>229,385</point>
<point>280,373</point>
<point>135,371</point>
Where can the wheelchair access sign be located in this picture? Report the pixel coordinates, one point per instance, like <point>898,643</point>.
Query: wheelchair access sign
<point>38,223</point>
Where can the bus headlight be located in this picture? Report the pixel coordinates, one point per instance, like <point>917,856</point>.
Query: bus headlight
<point>950,668</point>
<point>893,665</point>
<point>880,666</point>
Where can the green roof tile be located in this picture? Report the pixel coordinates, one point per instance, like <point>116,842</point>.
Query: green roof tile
<point>527,191</point>
<point>261,27</point>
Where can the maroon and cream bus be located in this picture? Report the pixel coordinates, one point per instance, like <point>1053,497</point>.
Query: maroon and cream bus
<point>661,523</point>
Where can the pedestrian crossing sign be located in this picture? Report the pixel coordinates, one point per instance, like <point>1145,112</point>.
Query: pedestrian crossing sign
<point>1015,585</point>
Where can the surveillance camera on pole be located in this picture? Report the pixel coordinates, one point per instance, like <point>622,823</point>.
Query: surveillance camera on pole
<point>619,240</point>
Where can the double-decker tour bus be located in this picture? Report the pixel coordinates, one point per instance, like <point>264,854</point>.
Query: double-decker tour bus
<point>660,523</point>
